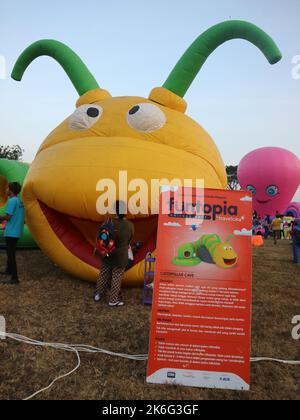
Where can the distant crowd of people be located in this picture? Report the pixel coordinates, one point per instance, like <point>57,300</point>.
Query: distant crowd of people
<point>279,227</point>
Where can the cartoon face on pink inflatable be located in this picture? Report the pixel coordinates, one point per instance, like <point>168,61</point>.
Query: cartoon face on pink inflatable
<point>272,175</point>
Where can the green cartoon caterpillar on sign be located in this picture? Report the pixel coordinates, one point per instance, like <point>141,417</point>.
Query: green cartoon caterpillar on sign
<point>209,249</point>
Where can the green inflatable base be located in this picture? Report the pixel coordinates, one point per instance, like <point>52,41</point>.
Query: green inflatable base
<point>26,242</point>
<point>186,262</point>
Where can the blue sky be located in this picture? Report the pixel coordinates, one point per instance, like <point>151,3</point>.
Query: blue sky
<point>131,46</point>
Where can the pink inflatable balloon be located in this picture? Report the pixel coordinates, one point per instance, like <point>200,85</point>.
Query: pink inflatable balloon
<point>272,174</point>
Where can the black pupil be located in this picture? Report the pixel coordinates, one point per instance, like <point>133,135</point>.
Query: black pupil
<point>93,112</point>
<point>134,110</point>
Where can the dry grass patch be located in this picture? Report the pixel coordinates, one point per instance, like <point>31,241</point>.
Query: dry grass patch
<point>49,305</point>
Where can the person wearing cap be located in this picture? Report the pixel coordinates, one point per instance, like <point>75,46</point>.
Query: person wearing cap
<point>14,218</point>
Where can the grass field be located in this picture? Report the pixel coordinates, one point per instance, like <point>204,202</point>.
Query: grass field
<point>51,306</point>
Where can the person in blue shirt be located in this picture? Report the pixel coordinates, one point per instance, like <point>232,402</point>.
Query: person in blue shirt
<point>15,216</point>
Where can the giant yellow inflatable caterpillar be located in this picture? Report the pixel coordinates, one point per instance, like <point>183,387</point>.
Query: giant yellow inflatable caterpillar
<point>149,138</point>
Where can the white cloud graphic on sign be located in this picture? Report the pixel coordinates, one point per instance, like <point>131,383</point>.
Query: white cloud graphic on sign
<point>170,224</point>
<point>247,199</point>
<point>243,232</point>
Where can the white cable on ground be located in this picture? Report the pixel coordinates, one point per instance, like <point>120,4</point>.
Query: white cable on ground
<point>269,359</point>
<point>74,348</point>
<point>58,378</point>
<point>81,348</point>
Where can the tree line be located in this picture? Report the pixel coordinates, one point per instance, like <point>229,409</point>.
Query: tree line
<point>11,152</point>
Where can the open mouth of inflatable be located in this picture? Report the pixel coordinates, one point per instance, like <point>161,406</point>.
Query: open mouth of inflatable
<point>263,202</point>
<point>229,262</point>
<point>78,235</point>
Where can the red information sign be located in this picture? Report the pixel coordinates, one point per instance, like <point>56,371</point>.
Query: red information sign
<point>201,318</point>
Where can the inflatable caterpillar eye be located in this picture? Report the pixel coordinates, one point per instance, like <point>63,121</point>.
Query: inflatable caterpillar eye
<point>272,190</point>
<point>252,189</point>
<point>146,118</point>
<point>85,117</point>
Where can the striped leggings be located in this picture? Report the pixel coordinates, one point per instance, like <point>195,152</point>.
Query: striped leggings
<point>113,274</point>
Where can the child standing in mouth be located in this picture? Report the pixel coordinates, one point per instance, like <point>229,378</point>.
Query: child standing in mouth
<point>113,267</point>
<point>13,231</point>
